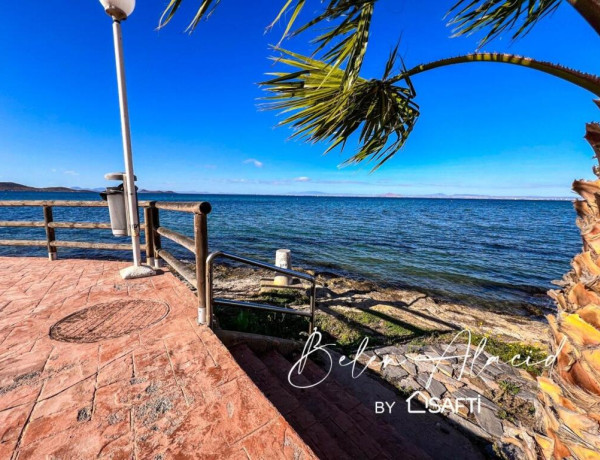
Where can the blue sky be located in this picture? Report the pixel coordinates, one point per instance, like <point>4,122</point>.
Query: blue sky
<point>484,129</point>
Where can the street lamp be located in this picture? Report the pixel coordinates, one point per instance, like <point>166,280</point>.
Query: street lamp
<point>119,10</point>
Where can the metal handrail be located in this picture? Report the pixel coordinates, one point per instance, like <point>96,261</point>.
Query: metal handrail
<point>211,301</point>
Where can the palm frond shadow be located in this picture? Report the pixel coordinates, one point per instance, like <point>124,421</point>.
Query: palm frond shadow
<point>358,329</point>
<point>367,304</point>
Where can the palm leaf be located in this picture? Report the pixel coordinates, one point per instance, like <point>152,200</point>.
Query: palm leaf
<point>297,9</point>
<point>319,107</point>
<point>344,43</point>
<point>205,9</point>
<point>498,16</point>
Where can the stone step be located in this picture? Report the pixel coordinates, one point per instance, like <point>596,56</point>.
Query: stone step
<point>295,412</point>
<point>337,419</point>
<point>349,435</point>
<point>386,435</point>
<point>432,433</point>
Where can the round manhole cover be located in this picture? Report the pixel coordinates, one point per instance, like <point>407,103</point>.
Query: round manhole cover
<point>109,320</point>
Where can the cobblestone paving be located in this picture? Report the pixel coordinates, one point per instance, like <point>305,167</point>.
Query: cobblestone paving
<point>168,390</point>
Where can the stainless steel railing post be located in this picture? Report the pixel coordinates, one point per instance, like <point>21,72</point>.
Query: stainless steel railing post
<point>210,301</point>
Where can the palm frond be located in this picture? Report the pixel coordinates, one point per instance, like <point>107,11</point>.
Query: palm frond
<point>297,6</point>
<point>498,16</point>
<point>342,44</point>
<point>346,41</point>
<point>321,108</point>
<point>205,9</point>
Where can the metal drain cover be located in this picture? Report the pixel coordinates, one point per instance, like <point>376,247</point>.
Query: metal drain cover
<point>109,320</point>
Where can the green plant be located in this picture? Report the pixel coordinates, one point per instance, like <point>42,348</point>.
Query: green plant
<point>506,351</point>
<point>509,387</point>
<point>505,415</point>
<point>282,297</point>
<point>262,322</point>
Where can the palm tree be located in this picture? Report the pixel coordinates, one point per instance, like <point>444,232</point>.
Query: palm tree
<point>325,99</point>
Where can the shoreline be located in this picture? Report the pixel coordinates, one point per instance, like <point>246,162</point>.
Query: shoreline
<point>406,330</point>
<point>344,300</point>
<point>441,296</point>
<point>511,322</point>
<point>539,304</point>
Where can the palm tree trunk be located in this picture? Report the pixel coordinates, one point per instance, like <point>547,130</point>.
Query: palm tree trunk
<point>581,79</point>
<point>589,10</point>
<point>570,395</point>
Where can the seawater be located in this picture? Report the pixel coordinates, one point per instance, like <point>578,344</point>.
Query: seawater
<point>484,251</point>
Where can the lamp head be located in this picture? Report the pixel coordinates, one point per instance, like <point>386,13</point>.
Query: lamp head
<point>119,10</point>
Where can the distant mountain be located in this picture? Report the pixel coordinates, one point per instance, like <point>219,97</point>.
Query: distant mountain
<point>310,194</point>
<point>14,187</point>
<point>443,196</point>
<point>389,195</point>
<point>492,197</point>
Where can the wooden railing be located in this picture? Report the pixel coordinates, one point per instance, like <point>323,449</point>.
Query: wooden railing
<point>50,225</point>
<point>197,245</point>
<point>200,278</point>
<point>151,226</point>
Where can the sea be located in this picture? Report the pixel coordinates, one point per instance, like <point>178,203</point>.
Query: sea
<point>487,252</point>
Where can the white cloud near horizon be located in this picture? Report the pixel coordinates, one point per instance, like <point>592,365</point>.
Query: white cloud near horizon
<point>302,179</point>
<point>71,173</point>
<point>254,161</point>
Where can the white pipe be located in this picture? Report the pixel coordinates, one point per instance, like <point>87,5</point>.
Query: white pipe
<point>131,198</point>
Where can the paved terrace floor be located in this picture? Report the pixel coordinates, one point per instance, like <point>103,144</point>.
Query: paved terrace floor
<point>169,390</point>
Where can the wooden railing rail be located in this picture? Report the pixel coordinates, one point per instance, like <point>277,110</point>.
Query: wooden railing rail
<point>50,225</point>
<point>61,203</point>
<point>198,245</point>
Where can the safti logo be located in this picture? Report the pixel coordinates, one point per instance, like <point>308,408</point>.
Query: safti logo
<point>441,406</point>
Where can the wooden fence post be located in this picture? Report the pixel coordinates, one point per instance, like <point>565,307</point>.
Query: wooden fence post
<point>156,241</point>
<point>149,224</point>
<point>50,235</point>
<point>201,240</point>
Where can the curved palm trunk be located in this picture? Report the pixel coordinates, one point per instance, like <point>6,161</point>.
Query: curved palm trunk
<point>589,10</point>
<point>570,395</point>
<point>568,409</point>
<point>582,79</point>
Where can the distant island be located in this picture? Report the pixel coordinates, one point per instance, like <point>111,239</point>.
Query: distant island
<point>167,192</point>
<point>14,187</point>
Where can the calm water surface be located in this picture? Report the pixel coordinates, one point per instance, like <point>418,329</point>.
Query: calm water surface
<point>485,251</point>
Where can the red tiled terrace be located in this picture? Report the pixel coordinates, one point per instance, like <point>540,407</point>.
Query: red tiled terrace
<point>170,389</point>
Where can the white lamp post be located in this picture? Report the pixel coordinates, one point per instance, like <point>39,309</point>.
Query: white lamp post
<point>120,10</point>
